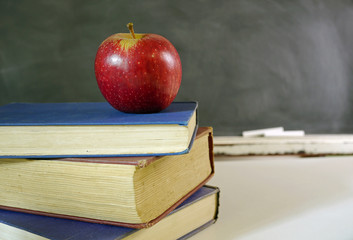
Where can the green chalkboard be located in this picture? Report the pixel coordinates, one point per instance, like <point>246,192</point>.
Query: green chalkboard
<point>249,63</point>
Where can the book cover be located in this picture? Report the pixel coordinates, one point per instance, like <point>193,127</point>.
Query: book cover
<point>89,113</point>
<point>122,191</point>
<point>15,224</point>
<point>34,130</point>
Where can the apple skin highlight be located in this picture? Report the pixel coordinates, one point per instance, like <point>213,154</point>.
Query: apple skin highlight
<point>138,75</point>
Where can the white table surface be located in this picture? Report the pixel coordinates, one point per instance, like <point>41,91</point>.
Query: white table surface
<point>283,197</point>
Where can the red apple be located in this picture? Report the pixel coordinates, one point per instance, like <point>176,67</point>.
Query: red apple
<point>138,73</point>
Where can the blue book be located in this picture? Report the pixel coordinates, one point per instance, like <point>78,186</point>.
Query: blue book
<point>194,214</point>
<point>51,130</point>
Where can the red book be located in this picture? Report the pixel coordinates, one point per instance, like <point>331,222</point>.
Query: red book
<point>134,192</point>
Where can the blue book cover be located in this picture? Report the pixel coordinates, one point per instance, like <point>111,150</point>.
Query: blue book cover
<point>64,229</point>
<point>87,114</point>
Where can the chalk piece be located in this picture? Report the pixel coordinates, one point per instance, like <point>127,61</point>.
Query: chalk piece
<point>296,133</point>
<point>261,132</point>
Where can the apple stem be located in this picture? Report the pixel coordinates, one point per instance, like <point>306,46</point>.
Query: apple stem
<point>131,29</point>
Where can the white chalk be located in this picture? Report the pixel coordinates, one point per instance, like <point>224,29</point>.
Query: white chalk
<point>262,132</point>
<point>295,133</point>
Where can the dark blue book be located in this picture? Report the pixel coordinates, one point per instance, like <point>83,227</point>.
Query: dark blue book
<point>52,130</point>
<point>194,214</point>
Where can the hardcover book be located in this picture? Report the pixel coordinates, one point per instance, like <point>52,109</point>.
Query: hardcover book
<point>194,214</point>
<point>134,192</point>
<point>33,130</point>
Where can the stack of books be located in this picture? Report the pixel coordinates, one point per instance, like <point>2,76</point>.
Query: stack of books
<point>87,171</point>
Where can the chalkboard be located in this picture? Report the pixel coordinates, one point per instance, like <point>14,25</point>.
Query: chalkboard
<point>249,63</point>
